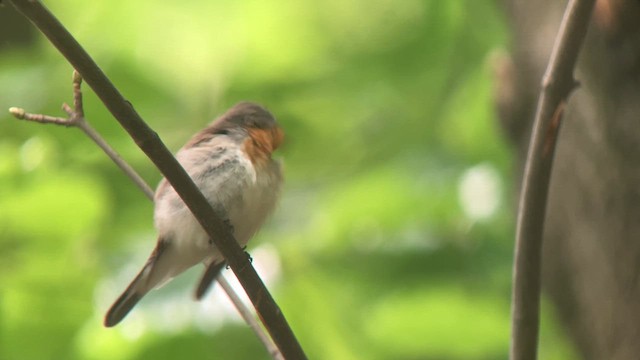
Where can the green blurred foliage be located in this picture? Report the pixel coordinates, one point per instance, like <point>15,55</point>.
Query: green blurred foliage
<point>388,111</point>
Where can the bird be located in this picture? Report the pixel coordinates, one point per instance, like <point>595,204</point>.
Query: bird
<point>231,162</point>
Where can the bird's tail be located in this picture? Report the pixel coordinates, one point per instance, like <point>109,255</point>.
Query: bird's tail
<point>126,301</point>
<point>153,273</point>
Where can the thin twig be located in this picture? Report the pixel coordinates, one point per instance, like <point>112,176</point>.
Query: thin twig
<point>115,157</point>
<point>77,119</point>
<point>557,84</point>
<point>21,114</point>
<point>151,144</point>
<point>249,318</point>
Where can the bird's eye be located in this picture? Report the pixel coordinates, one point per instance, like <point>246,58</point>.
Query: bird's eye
<point>251,121</point>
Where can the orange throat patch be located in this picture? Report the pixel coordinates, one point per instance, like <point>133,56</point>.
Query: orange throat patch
<point>261,143</point>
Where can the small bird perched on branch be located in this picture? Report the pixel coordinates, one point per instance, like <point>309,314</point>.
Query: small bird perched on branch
<point>230,162</point>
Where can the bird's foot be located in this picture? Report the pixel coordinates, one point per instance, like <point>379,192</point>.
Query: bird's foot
<point>227,222</point>
<point>229,225</point>
<point>244,248</point>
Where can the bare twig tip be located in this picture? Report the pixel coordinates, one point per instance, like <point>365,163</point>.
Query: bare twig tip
<point>66,108</point>
<point>17,112</point>
<point>77,78</point>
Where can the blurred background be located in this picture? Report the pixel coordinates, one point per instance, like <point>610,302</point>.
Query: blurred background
<point>394,236</point>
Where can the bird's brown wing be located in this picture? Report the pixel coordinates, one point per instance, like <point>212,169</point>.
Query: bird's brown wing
<point>212,271</point>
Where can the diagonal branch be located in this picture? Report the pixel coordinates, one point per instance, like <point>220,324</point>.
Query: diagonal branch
<point>151,144</point>
<point>557,84</point>
<point>76,119</point>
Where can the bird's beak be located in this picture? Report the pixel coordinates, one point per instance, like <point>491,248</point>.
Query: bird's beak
<point>278,137</point>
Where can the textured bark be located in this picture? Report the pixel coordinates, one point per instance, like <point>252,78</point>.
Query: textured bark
<point>592,232</point>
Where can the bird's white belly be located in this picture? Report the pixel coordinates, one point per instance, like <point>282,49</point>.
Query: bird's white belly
<point>246,212</point>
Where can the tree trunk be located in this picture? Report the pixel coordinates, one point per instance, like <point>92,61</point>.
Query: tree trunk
<point>592,230</point>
